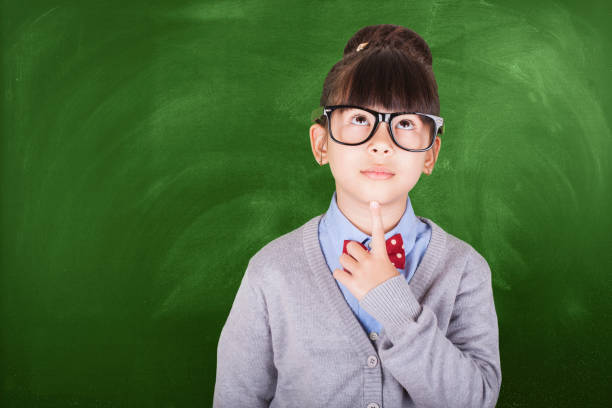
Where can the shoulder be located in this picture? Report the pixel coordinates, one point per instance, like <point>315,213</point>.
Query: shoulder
<point>458,255</point>
<point>280,254</point>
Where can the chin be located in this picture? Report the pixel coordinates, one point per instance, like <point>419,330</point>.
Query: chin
<point>383,191</point>
<point>383,194</point>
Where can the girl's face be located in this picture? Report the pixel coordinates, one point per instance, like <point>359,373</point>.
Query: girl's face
<point>349,165</point>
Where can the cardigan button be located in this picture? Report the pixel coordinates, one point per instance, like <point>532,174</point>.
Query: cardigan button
<point>372,361</point>
<point>373,405</point>
<point>373,336</point>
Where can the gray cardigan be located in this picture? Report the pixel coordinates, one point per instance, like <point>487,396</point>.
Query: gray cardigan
<point>291,340</point>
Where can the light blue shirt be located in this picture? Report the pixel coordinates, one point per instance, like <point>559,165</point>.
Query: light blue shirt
<point>334,228</point>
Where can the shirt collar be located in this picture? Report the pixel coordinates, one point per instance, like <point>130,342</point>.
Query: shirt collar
<point>340,228</point>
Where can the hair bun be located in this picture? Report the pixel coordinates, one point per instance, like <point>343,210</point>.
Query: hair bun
<point>389,35</point>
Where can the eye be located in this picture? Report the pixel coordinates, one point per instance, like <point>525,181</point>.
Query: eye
<point>362,120</point>
<point>406,122</point>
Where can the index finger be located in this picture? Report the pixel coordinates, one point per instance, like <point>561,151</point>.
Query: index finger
<point>378,232</point>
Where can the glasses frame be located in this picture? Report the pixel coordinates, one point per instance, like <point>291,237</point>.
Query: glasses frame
<point>388,117</point>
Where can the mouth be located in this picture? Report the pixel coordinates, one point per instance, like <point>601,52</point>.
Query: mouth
<point>378,173</point>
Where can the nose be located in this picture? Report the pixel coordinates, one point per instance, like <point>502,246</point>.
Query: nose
<point>381,140</point>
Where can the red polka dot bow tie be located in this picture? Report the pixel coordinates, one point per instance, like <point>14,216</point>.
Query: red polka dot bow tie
<point>395,249</point>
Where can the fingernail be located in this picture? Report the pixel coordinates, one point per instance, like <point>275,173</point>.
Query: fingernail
<point>373,204</point>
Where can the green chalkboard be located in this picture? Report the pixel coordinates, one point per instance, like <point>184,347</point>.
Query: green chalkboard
<point>150,148</point>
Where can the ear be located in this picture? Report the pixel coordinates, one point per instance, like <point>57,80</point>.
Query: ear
<point>432,156</point>
<point>318,143</point>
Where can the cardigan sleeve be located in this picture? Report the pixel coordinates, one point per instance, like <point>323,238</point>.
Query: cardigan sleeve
<point>246,375</point>
<point>459,368</point>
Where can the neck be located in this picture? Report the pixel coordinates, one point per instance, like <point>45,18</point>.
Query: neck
<point>358,212</point>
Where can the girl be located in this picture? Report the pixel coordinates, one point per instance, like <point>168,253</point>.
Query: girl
<point>366,305</point>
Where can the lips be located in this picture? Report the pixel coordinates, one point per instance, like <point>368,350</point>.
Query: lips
<point>377,173</point>
<point>378,169</point>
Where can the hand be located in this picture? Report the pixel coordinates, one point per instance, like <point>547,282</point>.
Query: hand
<point>367,269</point>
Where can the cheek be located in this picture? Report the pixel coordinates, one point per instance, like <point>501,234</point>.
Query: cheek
<point>409,166</point>
<point>412,169</point>
<point>413,164</point>
<point>343,164</point>
<point>411,161</point>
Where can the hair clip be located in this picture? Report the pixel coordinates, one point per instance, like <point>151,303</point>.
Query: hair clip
<point>362,46</point>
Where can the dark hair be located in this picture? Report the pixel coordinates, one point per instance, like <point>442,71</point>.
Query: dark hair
<point>393,70</point>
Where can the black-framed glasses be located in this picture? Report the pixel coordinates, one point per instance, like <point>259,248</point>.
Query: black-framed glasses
<point>354,125</point>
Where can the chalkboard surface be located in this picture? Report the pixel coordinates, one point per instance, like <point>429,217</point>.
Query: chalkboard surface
<point>150,148</point>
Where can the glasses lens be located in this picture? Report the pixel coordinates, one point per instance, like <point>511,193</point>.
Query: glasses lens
<point>413,131</point>
<point>353,126</point>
